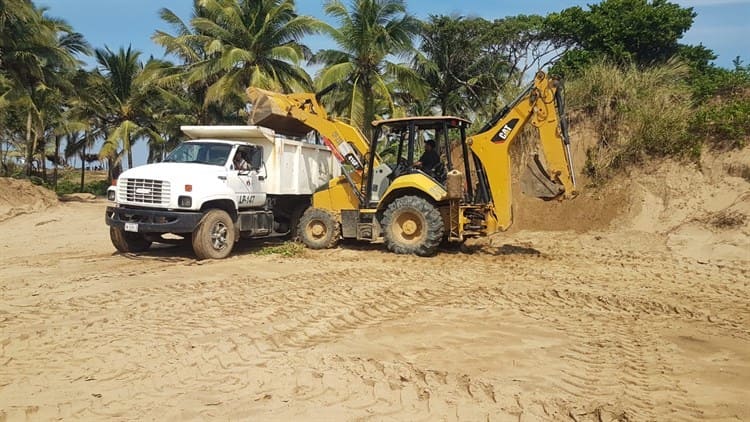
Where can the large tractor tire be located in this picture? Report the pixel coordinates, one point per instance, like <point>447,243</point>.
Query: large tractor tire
<point>412,225</point>
<point>127,241</point>
<point>214,237</point>
<point>318,229</point>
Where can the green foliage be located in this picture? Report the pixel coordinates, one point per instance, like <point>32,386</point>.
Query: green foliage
<point>636,114</point>
<point>286,249</point>
<point>621,31</point>
<point>723,114</point>
<point>370,32</point>
<point>715,81</point>
<point>724,123</point>
<point>98,188</point>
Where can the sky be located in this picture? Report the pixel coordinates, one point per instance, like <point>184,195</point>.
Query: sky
<point>721,25</point>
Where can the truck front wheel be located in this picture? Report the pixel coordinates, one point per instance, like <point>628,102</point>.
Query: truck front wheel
<point>318,229</point>
<point>412,225</point>
<point>127,241</point>
<point>214,236</point>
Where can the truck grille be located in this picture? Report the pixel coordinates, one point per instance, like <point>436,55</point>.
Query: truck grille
<point>144,191</point>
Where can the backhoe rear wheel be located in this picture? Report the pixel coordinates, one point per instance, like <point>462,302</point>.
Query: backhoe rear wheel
<point>214,237</point>
<point>412,225</point>
<point>318,229</point>
<point>128,241</point>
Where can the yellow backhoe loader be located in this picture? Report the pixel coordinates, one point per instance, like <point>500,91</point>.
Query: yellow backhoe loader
<point>386,197</point>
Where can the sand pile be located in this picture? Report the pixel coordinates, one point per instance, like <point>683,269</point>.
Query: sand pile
<point>21,197</point>
<point>699,210</point>
<point>703,209</point>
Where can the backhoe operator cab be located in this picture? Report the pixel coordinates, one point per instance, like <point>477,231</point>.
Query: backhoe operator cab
<point>382,196</point>
<point>403,143</point>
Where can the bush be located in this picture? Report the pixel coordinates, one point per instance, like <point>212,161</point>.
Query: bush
<point>725,124</point>
<point>286,249</point>
<point>98,188</point>
<point>636,113</point>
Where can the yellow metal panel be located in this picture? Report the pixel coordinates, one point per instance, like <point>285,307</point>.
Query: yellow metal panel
<point>338,196</point>
<point>419,182</point>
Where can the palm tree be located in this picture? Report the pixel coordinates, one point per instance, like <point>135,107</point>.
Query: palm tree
<point>38,55</point>
<point>369,33</point>
<point>233,44</point>
<point>84,121</point>
<point>187,45</point>
<point>129,92</point>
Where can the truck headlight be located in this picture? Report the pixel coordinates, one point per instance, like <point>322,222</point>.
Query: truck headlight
<point>185,201</point>
<point>111,194</point>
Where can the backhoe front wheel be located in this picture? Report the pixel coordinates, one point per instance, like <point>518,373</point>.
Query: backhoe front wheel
<point>128,241</point>
<point>214,237</point>
<point>319,229</point>
<point>412,225</point>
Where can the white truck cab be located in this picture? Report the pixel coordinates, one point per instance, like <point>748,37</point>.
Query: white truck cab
<point>227,182</point>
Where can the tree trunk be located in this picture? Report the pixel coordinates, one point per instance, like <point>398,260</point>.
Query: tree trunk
<point>369,109</point>
<point>83,165</point>
<point>43,154</point>
<point>129,146</point>
<point>29,147</point>
<point>57,155</point>
<point>2,159</point>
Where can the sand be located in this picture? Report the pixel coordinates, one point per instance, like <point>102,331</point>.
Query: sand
<point>644,315</point>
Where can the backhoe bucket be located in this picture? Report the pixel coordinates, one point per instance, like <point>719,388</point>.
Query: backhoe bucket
<point>269,109</point>
<point>536,182</point>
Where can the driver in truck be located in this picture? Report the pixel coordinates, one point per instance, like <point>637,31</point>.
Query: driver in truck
<point>239,162</point>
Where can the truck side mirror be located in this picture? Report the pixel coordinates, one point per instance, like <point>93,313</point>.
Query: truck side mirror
<point>256,159</point>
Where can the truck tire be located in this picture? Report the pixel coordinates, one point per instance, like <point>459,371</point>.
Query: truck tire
<point>214,236</point>
<point>127,241</point>
<point>318,229</point>
<point>412,225</point>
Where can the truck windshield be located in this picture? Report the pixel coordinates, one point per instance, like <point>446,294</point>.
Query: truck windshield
<point>200,152</point>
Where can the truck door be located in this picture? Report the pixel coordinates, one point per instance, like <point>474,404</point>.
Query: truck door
<point>246,176</point>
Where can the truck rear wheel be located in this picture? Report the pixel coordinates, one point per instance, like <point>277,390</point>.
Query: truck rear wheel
<point>214,236</point>
<point>412,225</point>
<point>318,229</point>
<point>127,241</point>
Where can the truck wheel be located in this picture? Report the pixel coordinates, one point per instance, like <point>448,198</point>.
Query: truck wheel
<point>294,222</point>
<point>214,236</point>
<point>318,229</point>
<point>128,241</point>
<point>412,225</point>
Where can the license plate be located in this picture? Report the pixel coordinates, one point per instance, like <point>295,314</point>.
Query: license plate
<point>131,227</point>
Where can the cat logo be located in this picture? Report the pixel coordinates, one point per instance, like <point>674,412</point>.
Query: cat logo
<point>503,134</point>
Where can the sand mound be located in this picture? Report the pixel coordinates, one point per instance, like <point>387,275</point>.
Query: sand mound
<point>21,197</point>
<point>703,210</point>
<point>699,210</point>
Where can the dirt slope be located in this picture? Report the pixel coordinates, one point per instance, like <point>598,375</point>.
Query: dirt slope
<point>645,318</point>
<point>20,197</point>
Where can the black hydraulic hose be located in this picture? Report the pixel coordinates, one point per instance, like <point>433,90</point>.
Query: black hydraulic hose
<point>483,188</point>
<point>467,165</point>
<point>496,118</point>
<point>560,105</point>
<point>326,90</point>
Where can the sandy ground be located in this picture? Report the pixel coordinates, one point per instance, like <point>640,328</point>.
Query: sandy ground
<point>644,318</point>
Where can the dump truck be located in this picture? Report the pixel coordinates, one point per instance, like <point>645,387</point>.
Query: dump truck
<point>225,183</point>
<point>411,209</point>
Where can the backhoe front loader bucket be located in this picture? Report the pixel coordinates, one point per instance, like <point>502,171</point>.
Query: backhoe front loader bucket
<point>535,181</point>
<point>271,110</point>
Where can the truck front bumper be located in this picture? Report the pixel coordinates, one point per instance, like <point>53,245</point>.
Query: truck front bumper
<point>152,221</point>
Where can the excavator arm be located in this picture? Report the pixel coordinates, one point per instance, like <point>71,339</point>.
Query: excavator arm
<point>540,104</point>
<point>299,113</point>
